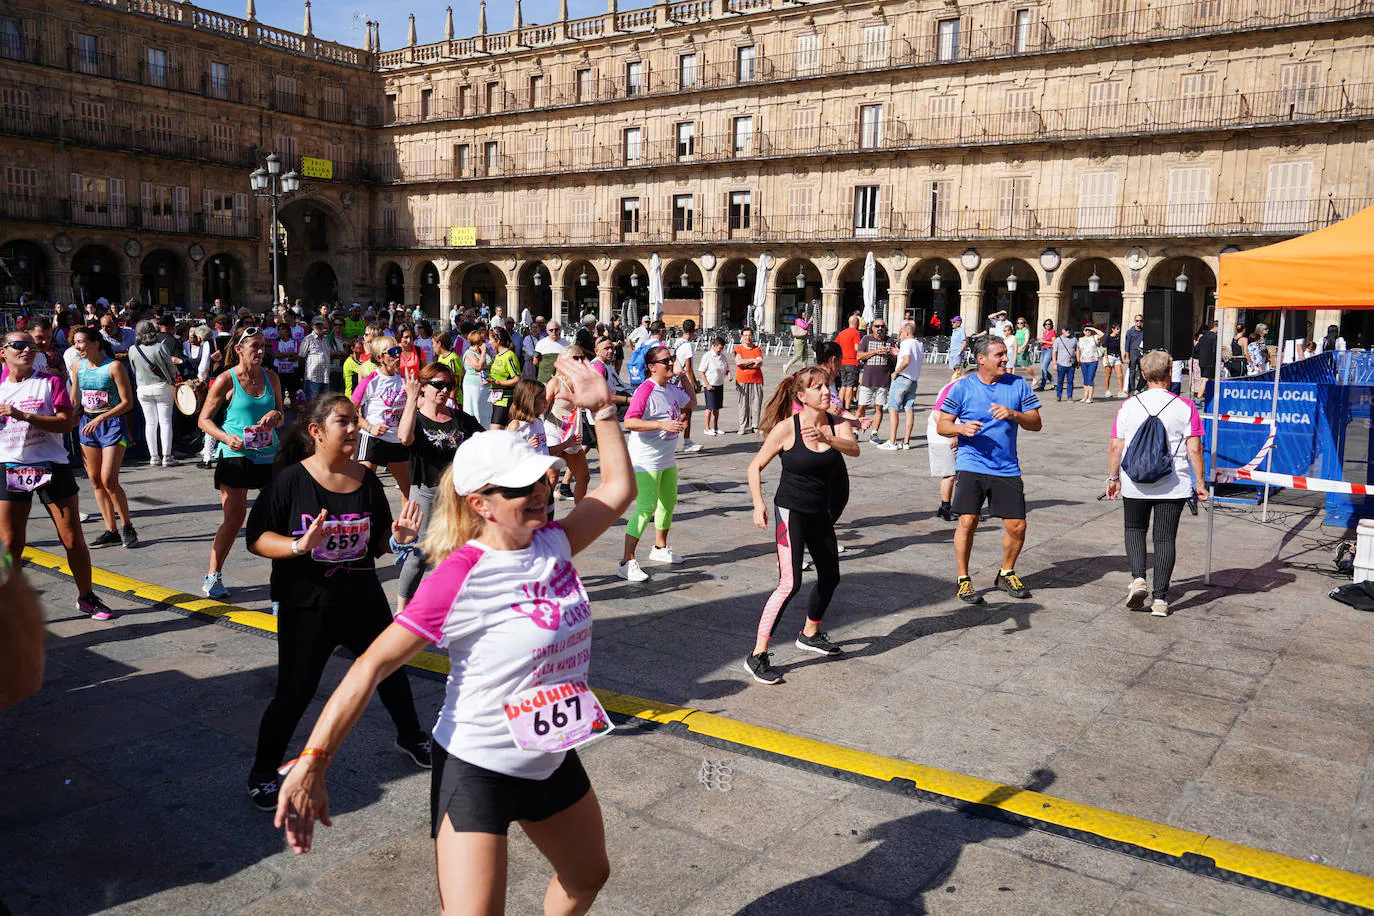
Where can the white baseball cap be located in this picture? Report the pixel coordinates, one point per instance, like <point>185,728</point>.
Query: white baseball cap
<point>499,458</point>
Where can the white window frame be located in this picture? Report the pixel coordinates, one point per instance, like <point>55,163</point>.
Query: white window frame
<point>947,39</point>
<point>866,202</point>
<point>870,126</point>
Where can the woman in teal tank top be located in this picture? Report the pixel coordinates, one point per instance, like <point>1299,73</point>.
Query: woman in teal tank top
<point>101,388</point>
<point>251,397</point>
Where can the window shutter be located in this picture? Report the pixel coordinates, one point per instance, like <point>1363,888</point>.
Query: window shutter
<point>1290,184</point>
<point>1097,200</point>
<point>1188,192</point>
<point>145,198</point>
<point>117,213</point>
<point>76,194</point>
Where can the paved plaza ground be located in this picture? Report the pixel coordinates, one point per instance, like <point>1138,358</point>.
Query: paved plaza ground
<point>1247,715</point>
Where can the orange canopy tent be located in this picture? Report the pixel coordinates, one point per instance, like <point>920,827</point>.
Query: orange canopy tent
<point>1326,269</point>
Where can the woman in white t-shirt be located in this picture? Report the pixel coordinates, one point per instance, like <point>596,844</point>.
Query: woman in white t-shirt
<point>654,419</point>
<point>1090,352</point>
<point>506,602</point>
<point>1164,498</point>
<point>381,399</point>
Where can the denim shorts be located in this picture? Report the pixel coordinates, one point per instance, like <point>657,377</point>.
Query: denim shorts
<point>902,395</point>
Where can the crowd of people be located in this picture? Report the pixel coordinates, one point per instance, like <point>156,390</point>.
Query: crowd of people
<point>483,427</point>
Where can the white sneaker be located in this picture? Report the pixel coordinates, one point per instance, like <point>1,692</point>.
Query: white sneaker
<point>630,570</point>
<point>89,517</point>
<point>1160,608</point>
<point>839,548</point>
<point>807,564</point>
<point>169,462</point>
<point>689,446</point>
<point>888,446</point>
<point>1136,594</point>
<point>663,555</point>
<point>154,462</point>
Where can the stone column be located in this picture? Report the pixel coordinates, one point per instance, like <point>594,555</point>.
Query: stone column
<point>830,311</point>
<point>1132,304</point>
<point>605,296</point>
<point>896,310</point>
<point>412,294</point>
<point>710,307</point>
<point>971,309</point>
<point>1321,320</point>
<point>770,310</point>
<point>130,287</point>
<point>445,304</point>
<point>1050,306</point>
<point>60,286</point>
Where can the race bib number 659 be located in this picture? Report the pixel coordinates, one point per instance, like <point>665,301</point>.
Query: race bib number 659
<point>555,717</point>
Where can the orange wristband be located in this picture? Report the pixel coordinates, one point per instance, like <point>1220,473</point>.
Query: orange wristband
<point>319,752</point>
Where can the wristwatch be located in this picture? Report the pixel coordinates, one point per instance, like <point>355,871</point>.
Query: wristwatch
<point>296,547</point>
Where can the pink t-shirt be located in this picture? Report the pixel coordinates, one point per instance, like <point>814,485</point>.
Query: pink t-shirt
<point>1181,421</point>
<point>510,620</point>
<point>653,451</point>
<point>22,442</point>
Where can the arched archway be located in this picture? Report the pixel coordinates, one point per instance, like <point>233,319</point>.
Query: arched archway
<point>95,275</point>
<point>852,292</point>
<point>798,285</point>
<point>582,287</point>
<point>429,290</point>
<point>933,295</point>
<point>631,281</point>
<point>735,285</point>
<point>222,279</point>
<point>393,282</point>
<point>1010,285</point>
<point>536,291</point>
<point>28,271</point>
<point>1190,276</point>
<point>682,279</point>
<point>1083,304</point>
<point>483,285</point>
<point>321,285</point>
<point>161,278</point>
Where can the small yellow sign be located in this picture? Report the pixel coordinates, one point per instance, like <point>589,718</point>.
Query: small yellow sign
<point>317,168</point>
<point>462,236</point>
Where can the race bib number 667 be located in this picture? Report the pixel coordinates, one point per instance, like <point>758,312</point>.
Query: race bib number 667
<point>555,717</point>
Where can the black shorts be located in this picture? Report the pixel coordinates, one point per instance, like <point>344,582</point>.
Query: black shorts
<point>241,474</point>
<point>382,453</point>
<point>849,377</point>
<point>62,486</point>
<point>500,415</point>
<point>478,800</point>
<point>715,397</point>
<point>1005,496</point>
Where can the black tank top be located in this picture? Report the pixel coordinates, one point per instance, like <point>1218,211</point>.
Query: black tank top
<point>809,478</point>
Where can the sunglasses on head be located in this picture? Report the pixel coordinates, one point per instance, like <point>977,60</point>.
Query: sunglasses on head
<point>249,332</point>
<point>510,492</point>
<point>440,386</point>
<point>392,351</point>
<point>20,345</point>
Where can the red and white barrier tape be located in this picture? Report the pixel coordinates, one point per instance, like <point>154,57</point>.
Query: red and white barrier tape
<point>1234,418</point>
<point>1302,483</point>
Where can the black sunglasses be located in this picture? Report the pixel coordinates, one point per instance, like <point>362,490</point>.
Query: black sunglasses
<point>662,362</point>
<point>510,492</point>
<point>440,386</point>
<point>20,345</point>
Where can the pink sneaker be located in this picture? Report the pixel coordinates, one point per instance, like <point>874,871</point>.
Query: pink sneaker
<point>91,604</point>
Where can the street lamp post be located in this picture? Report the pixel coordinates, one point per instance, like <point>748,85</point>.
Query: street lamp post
<point>270,184</point>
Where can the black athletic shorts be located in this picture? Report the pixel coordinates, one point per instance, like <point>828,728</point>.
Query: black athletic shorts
<point>382,453</point>
<point>849,377</point>
<point>1005,496</point>
<point>62,486</point>
<point>478,800</point>
<point>241,474</point>
<point>714,397</point>
<point>500,415</point>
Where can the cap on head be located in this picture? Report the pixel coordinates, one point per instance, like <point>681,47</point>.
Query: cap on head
<point>957,319</point>
<point>498,458</point>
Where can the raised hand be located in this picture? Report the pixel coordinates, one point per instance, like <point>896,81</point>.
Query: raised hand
<point>412,390</point>
<point>586,387</point>
<point>406,528</point>
<point>314,535</point>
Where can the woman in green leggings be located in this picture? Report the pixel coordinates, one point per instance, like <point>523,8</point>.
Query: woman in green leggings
<point>654,420</point>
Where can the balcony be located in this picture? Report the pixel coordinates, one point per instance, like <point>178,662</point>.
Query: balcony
<point>286,102</point>
<point>110,215</point>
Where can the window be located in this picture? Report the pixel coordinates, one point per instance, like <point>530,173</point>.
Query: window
<point>537,98</point>
<point>464,100</point>
<point>218,210</point>
<point>164,207</point>
<point>491,157</point>
<point>222,138</point>
<point>217,83</point>
<point>629,215</point>
<point>686,71</point>
<point>743,134</point>
<point>16,109</point>
<point>460,160</point>
<point>947,39</point>
<point>583,84</point>
<point>684,213</point>
<point>801,209</point>
<point>1097,201</point>
<point>686,140</point>
<point>1286,201</point>
<point>741,207</point>
<point>391,108</point>
<point>808,54</point>
<point>21,191</point>
<point>12,39</point>
<point>286,149</point>
<point>422,159</point>
<point>1013,199</point>
<point>806,132</point>
<point>159,130</point>
<point>1198,101</point>
<point>1113,17</point>
<point>744,64</point>
<point>90,119</point>
<point>426,103</point>
<point>489,219</point>
<point>98,201</point>
<point>493,96</point>
<point>634,77</point>
<point>582,147</point>
<point>156,67</point>
<point>1021,31</point>
<point>334,152</point>
<point>870,126</point>
<point>87,54</point>
<point>1188,194</point>
<point>286,94</point>
<point>1298,88</point>
<point>582,217</point>
<point>633,145</point>
<point>939,206</point>
<point>876,46</point>
<point>866,211</point>
<point>1021,118</point>
<point>944,116</point>
<point>1104,104</point>
<point>333,103</point>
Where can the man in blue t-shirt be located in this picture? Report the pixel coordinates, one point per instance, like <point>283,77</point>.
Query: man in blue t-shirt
<point>986,411</point>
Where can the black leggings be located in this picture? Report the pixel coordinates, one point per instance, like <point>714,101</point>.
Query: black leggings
<point>306,637</point>
<point>795,531</point>
<point>1166,515</point>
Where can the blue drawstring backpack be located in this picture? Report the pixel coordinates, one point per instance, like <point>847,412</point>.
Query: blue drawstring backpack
<point>1148,458</point>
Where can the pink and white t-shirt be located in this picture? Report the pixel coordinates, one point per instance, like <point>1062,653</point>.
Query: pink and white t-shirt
<point>653,451</point>
<point>381,399</point>
<point>1181,420</point>
<point>510,620</point>
<point>22,442</point>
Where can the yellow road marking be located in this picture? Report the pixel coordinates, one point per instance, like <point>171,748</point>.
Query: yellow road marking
<point>1298,874</point>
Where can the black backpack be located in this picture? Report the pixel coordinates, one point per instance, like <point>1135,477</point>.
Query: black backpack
<point>1148,458</point>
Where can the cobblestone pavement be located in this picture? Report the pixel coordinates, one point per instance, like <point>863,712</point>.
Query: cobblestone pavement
<point>1248,715</point>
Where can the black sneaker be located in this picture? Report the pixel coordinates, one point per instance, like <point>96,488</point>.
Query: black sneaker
<point>1011,584</point>
<point>107,539</point>
<point>820,644</point>
<point>262,792</point>
<point>945,512</point>
<point>420,749</point>
<point>761,669</point>
<point>565,491</point>
<point>968,594</point>
<point>130,537</point>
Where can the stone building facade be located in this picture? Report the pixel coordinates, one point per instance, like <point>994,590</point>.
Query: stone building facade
<point>1058,159</point>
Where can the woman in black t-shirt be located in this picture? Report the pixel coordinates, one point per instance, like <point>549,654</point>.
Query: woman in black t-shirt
<point>322,521</point>
<point>433,431</point>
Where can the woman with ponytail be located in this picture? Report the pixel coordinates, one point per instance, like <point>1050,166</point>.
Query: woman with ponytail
<point>506,602</point>
<point>811,494</point>
<point>322,521</point>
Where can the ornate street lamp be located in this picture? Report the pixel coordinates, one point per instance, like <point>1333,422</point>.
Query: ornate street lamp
<point>801,279</point>
<point>537,278</point>
<point>935,280</point>
<point>1181,281</point>
<point>269,184</point>
<point>684,279</point>
<point>1094,282</point>
<point>634,278</point>
<point>1012,281</point>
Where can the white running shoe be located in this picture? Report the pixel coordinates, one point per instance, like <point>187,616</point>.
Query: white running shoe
<point>1160,608</point>
<point>1136,594</point>
<point>154,462</point>
<point>839,548</point>
<point>689,446</point>
<point>663,555</point>
<point>169,462</point>
<point>630,570</point>
<point>888,446</point>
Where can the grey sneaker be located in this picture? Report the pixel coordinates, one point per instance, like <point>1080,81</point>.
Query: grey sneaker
<point>130,537</point>
<point>761,669</point>
<point>820,644</point>
<point>1160,608</point>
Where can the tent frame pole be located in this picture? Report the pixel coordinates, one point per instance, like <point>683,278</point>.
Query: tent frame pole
<point>1215,409</point>
<point>1274,415</point>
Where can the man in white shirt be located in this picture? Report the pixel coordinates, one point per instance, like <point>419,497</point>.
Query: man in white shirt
<point>687,377</point>
<point>639,334</point>
<point>314,352</point>
<point>911,356</point>
<point>526,319</point>
<point>546,351</point>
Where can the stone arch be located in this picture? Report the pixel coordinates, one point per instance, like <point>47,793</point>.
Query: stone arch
<point>535,290</point>
<point>162,279</point>
<point>223,277</point>
<point>96,274</point>
<point>1200,285</point>
<point>427,276</point>
<point>1079,303</point>
<point>849,280</point>
<point>997,279</point>
<point>673,273</point>
<point>391,282</point>
<point>629,278</point>
<point>28,264</point>
<point>790,300</point>
<point>580,283</point>
<point>933,308</point>
<point>736,299</point>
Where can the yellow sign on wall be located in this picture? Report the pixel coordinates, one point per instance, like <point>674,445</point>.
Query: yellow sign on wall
<point>462,236</point>
<point>317,168</point>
